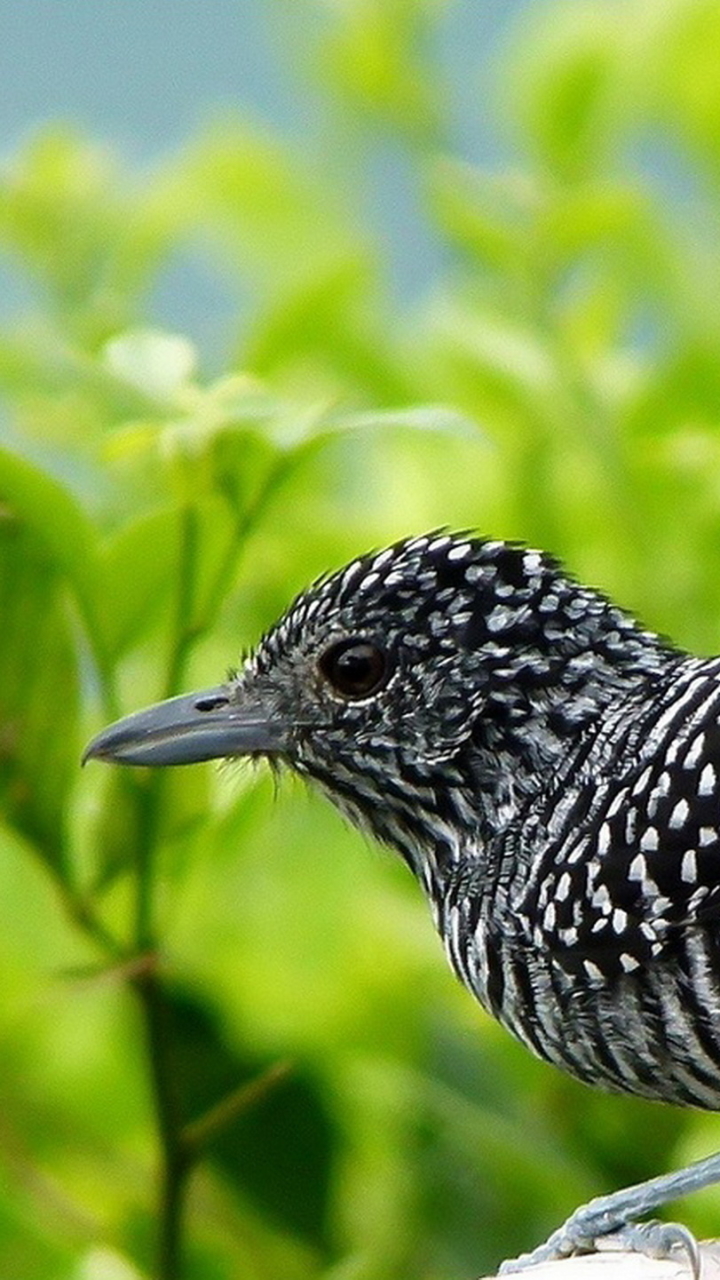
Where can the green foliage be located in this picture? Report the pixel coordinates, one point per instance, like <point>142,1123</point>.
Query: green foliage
<point>200,976</point>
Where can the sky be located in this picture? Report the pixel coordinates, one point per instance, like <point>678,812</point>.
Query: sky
<point>143,77</point>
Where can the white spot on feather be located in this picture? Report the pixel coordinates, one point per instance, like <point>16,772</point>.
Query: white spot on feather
<point>695,753</point>
<point>638,868</point>
<point>688,867</point>
<point>459,552</point>
<point>679,815</point>
<point>563,887</point>
<point>708,781</point>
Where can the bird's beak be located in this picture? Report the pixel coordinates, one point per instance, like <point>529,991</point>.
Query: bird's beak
<point>193,727</point>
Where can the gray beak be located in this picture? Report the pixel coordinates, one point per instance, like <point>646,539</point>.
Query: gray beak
<point>193,727</point>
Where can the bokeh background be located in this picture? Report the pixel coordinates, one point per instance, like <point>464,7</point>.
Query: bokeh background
<point>280,282</point>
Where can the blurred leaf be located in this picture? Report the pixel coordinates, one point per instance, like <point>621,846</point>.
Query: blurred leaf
<point>47,507</point>
<point>118,825</point>
<point>565,89</point>
<point>105,1264</point>
<point>374,54</point>
<point>55,208</point>
<point>220,445</point>
<point>137,567</point>
<point>301,433</point>
<point>325,338</point>
<point>38,691</point>
<point>420,417</point>
<point>488,215</point>
<point>511,362</point>
<point>112,833</point>
<point>158,363</point>
<point>679,49</point>
<point>249,187</point>
<point>280,1152</point>
<point>685,388</point>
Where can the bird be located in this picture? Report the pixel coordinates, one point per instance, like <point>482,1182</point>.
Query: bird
<point>549,770</point>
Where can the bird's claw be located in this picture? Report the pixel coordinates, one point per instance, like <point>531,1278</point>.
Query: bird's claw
<point>657,1240</point>
<point>580,1234</point>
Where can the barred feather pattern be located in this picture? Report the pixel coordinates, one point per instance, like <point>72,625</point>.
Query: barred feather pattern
<point>598,943</point>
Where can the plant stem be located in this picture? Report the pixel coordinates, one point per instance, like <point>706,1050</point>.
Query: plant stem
<point>185,632</point>
<point>151,789</point>
<point>174,1166</point>
<point>174,1162</point>
<point>81,912</point>
<point>245,524</point>
<point>179,1149</point>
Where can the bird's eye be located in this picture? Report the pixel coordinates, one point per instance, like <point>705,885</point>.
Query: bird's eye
<point>355,668</point>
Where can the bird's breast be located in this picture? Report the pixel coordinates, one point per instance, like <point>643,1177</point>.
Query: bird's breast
<point>654,1032</point>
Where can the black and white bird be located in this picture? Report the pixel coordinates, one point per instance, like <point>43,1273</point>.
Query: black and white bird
<point>550,772</point>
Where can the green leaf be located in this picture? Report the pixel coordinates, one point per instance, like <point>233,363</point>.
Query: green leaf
<point>221,445</point>
<point>101,1263</point>
<point>159,364</point>
<point>57,519</point>
<point>116,827</point>
<point>137,568</point>
<point>282,1152</point>
<point>374,54</point>
<point>325,335</point>
<point>279,221</point>
<point>38,691</point>
<point>679,72</point>
<point>59,210</point>
<point>488,215</point>
<point>438,419</point>
<point>300,432</point>
<point>564,83</point>
<point>511,362</point>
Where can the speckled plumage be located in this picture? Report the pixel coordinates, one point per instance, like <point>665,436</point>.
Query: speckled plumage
<point>549,770</point>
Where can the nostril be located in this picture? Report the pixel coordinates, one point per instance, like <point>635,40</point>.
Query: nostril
<point>212,703</point>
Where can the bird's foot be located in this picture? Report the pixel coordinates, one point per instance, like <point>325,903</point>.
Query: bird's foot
<point>593,1230</point>
<point>610,1221</point>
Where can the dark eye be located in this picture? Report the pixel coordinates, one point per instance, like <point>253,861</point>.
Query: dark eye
<point>355,668</point>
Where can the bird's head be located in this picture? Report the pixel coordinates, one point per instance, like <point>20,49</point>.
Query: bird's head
<point>397,681</point>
